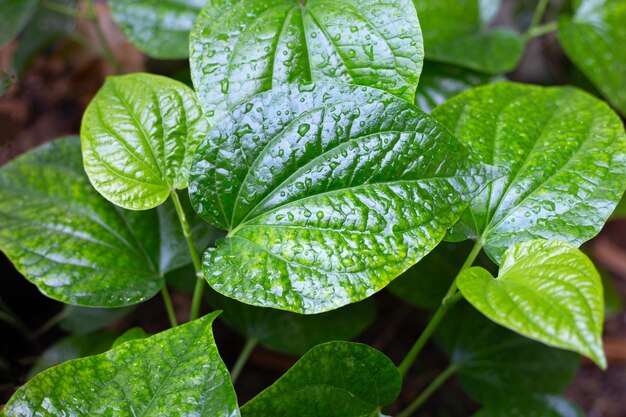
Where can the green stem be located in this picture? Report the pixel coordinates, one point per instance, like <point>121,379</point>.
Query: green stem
<point>451,298</point>
<point>54,320</point>
<point>167,300</point>
<point>536,29</point>
<point>66,11</point>
<point>429,391</point>
<point>195,257</point>
<point>541,30</point>
<point>107,51</point>
<point>242,359</point>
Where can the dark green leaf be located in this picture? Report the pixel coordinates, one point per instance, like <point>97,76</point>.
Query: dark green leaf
<point>130,334</point>
<point>336,379</point>
<point>620,210</point>
<point>178,371</point>
<point>159,28</point>
<point>15,14</point>
<point>594,38</point>
<point>243,47</point>
<point>536,406</point>
<point>458,33</point>
<point>329,193</point>
<point>138,137</point>
<point>495,364</point>
<point>566,152</point>
<point>83,320</point>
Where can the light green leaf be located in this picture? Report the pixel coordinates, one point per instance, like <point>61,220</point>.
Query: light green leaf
<point>495,364</point>
<point>15,15</point>
<point>178,371</point>
<point>459,33</point>
<point>329,192</point>
<point>243,47</point>
<point>546,290</point>
<point>130,334</point>
<point>536,406</point>
<point>594,38</point>
<point>158,28</point>
<point>336,379</point>
<point>83,320</point>
<point>138,137</point>
<point>566,152</point>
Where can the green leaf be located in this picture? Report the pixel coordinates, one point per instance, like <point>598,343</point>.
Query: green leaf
<point>536,406</point>
<point>546,290</point>
<point>15,15</point>
<point>566,152</point>
<point>329,192</point>
<point>158,28</point>
<point>138,137</point>
<point>620,210</point>
<point>179,371</point>
<point>293,333</point>
<point>130,334</point>
<point>243,47</point>
<point>336,379</point>
<point>83,320</point>
<point>594,38</point>
<point>459,33</point>
<point>495,364</point>
<point>73,244</point>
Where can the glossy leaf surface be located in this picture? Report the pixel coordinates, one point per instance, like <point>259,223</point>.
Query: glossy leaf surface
<point>336,379</point>
<point>138,137</point>
<point>536,406</point>
<point>496,364</point>
<point>566,155</point>
<point>179,369</point>
<point>329,193</point>
<point>158,28</point>
<point>594,38</point>
<point>458,33</point>
<point>546,290</point>
<point>243,47</point>
<point>15,14</point>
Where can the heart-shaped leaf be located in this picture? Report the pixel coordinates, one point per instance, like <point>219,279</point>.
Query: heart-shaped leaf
<point>336,379</point>
<point>329,192</point>
<point>243,47</point>
<point>15,14</point>
<point>594,38</point>
<point>495,364</point>
<point>459,33</point>
<point>546,290</point>
<point>535,406</point>
<point>566,152</point>
<point>138,136</point>
<point>159,28</point>
<point>73,244</point>
<point>175,372</point>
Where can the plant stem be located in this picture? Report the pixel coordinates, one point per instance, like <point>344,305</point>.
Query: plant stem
<point>195,257</point>
<point>242,359</point>
<point>66,11</point>
<point>167,300</point>
<point>451,298</point>
<point>536,29</point>
<point>107,51</point>
<point>54,320</point>
<point>541,30</point>
<point>429,391</point>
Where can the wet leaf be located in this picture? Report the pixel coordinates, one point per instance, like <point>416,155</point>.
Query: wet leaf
<point>329,192</point>
<point>566,153</point>
<point>15,15</point>
<point>138,137</point>
<point>336,379</point>
<point>240,48</point>
<point>594,39</point>
<point>158,28</point>
<point>546,290</point>
<point>536,406</point>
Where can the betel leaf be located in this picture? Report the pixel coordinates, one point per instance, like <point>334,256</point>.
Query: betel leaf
<point>566,155</point>
<point>130,334</point>
<point>594,39</point>
<point>138,137</point>
<point>15,14</point>
<point>158,28</point>
<point>243,47</point>
<point>329,191</point>
<point>546,290</point>
<point>535,406</point>
<point>336,379</point>
<point>620,210</point>
<point>459,33</point>
<point>83,320</point>
<point>178,371</point>
<point>73,244</point>
<point>495,364</point>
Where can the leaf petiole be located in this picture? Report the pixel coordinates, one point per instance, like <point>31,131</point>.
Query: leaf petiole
<point>536,29</point>
<point>429,391</point>
<point>247,350</point>
<point>167,300</point>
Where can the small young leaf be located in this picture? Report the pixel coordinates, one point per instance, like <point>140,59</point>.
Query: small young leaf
<point>336,379</point>
<point>458,33</point>
<point>138,136</point>
<point>594,39</point>
<point>566,152</point>
<point>535,406</point>
<point>159,28</point>
<point>15,14</point>
<point>546,290</point>
<point>329,192</point>
<point>495,364</point>
<point>177,372</point>
<point>243,47</point>
<point>130,334</point>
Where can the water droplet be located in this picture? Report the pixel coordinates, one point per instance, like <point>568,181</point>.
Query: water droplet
<point>303,129</point>
<point>224,85</point>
